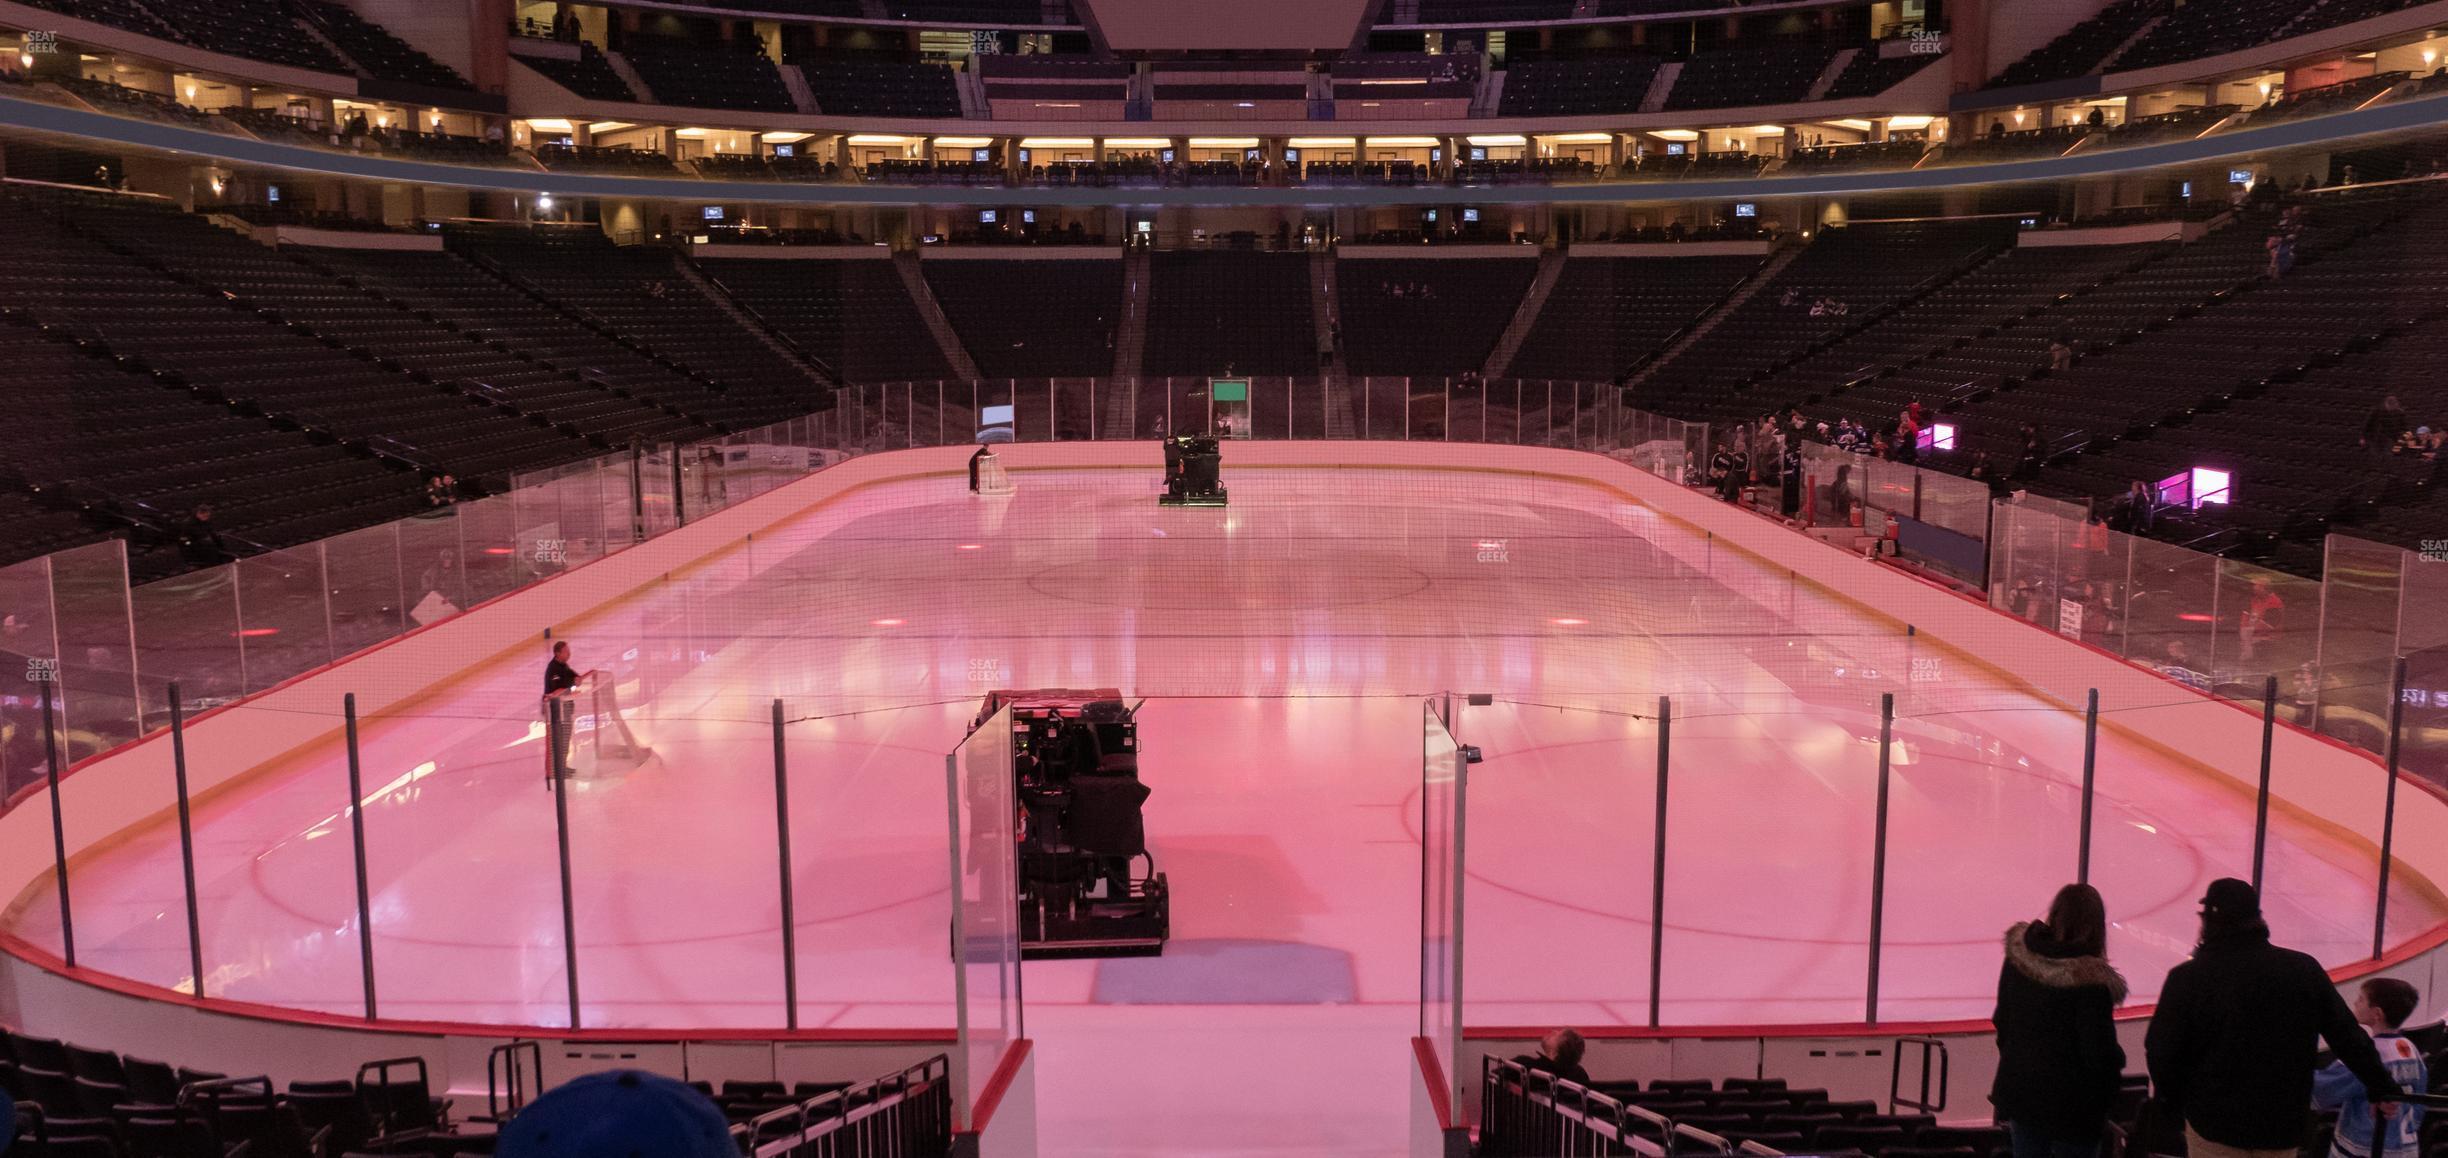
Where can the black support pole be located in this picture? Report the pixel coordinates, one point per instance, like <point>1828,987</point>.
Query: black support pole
<point>782,829</point>
<point>356,811</point>
<point>178,768</point>
<point>679,500</point>
<point>1657,865</point>
<point>59,823</point>
<point>1878,853</point>
<point>637,490</point>
<point>569,910</point>
<point>2388,812</point>
<point>2269,736</point>
<point>2090,785</point>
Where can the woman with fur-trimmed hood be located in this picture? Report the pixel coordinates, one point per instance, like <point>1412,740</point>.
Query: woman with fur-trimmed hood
<point>2058,1057</point>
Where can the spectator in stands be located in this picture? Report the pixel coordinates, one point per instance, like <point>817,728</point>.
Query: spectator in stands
<point>1729,468</point>
<point>2382,1005</point>
<point>2264,619</point>
<point>2232,1043</point>
<point>1789,493</point>
<point>2060,355</point>
<point>2384,425</point>
<point>2090,541</point>
<point>2304,689</point>
<point>1559,1053</point>
<point>2027,460</point>
<point>1909,425</point>
<point>625,1112</point>
<point>441,491</point>
<point>2424,441</point>
<point>2137,510</point>
<point>2097,118</point>
<point>1997,128</point>
<point>2023,598</point>
<point>2058,1057</point>
<point>1839,497</point>
<point>199,541</point>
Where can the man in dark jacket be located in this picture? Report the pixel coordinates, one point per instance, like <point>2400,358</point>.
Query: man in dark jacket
<point>2383,427</point>
<point>2232,1045</point>
<point>199,541</point>
<point>1559,1054</point>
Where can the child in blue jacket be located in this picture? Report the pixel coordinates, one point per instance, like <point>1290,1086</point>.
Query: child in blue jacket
<point>2383,1005</point>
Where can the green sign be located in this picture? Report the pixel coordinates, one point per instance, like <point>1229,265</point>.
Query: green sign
<point>1229,389</point>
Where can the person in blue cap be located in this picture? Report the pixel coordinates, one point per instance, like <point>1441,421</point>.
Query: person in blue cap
<point>619,1114</point>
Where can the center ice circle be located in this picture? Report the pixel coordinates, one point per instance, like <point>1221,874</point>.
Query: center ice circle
<point>1276,582</point>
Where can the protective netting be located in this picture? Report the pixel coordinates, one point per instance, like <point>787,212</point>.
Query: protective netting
<point>1314,613</point>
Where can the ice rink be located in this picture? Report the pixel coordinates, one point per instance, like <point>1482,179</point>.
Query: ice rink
<point>1284,646</point>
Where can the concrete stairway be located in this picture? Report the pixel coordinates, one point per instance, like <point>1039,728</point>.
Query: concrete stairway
<point>1836,67</point>
<point>1525,315</point>
<point>754,323</point>
<point>1323,301</point>
<point>963,366</point>
<point>1130,338</point>
<point>629,76</point>
<point>1731,302</point>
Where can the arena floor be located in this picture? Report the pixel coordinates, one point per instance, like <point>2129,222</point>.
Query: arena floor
<point>1284,645</point>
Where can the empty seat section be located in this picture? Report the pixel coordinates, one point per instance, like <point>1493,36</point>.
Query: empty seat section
<point>375,49</point>
<point>493,314</point>
<point>1549,88</point>
<point>1770,74</point>
<point>1427,317</point>
<point>1885,359</point>
<point>715,76</point>
<point>1032,318</point>
<point>591,75</point>
<point>1843,278</point>
<point>1218,311</point>
<point>1607,313</point>
<point>854,313</point>
<point>652,300</point>
<point>863,86</point>
<point>2084,47</point>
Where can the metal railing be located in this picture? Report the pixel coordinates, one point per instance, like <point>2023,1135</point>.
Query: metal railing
<point>904,1114</point>
<point>1528,1113</point>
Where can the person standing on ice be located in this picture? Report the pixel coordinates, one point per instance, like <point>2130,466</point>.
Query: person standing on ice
<point>560,700</point>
